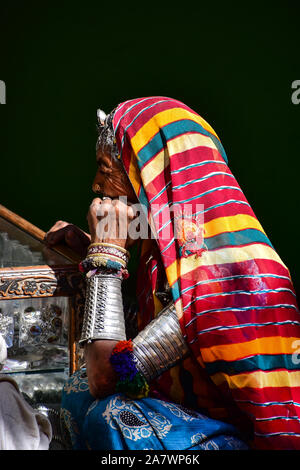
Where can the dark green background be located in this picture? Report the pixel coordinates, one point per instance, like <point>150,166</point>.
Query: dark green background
<point>233,65</point>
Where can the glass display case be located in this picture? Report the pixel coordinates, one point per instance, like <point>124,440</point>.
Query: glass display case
<point>41,309</point>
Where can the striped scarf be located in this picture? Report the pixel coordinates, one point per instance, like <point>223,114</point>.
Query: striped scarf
<point>233,294</point>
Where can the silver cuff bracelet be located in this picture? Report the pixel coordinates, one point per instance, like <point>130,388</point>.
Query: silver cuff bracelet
<point>103,314</point>
<point>160,345</point>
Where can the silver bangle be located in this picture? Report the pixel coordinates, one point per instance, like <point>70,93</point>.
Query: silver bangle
<point>103,314</point>
<point>160,345</point>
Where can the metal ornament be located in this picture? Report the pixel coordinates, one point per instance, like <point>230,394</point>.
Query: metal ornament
<point>101,116</point>
<point>103,315</point>
<point>106,139</point>
<point>160,345</point>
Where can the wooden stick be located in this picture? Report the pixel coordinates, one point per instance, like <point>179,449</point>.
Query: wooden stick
<point>37,233</point>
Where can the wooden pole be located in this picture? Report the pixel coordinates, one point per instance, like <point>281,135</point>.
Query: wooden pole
<point>37,233</point>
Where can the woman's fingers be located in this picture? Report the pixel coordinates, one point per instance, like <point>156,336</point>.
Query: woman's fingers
<point>96,201</point>
<point>71,235</point>
<point>109,219</point>
<point>56,232</point>
<point>130,213</point>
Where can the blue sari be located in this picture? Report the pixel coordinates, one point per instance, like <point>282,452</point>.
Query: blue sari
<point>120,423</point>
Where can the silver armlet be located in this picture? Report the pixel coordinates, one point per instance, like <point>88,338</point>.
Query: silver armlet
<point>160,345</point>
<point>103,314</point>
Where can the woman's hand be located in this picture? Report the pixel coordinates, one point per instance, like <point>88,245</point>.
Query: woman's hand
<point>69,234</point>
<point>108,221</point>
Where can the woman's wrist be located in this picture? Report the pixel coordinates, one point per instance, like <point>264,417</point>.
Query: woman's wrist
<point>102,378</point>
<point>114,241</point>
<point>105,258</point>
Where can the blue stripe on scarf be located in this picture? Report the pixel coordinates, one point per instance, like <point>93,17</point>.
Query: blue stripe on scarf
<point>169,131</point>
<point>240,237</point>
<point>265,362</point>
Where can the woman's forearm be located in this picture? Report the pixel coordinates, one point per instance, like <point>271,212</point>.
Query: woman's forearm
<point>102,378</point>
<point>103,326</point>
<point>156,349</point>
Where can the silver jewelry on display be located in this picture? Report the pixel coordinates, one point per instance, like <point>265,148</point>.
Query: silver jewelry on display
<point>103,315</point>
<point>160,345</point>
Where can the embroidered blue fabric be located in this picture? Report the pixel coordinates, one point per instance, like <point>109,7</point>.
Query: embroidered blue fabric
<point>120,423</point>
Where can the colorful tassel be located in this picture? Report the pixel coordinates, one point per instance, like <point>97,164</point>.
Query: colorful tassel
<point>131,381</point>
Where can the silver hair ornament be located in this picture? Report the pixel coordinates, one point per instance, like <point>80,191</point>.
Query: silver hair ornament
<point>106,138</point>
<point>101,117</point>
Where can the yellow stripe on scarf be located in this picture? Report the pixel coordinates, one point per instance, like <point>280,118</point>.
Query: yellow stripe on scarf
<point>236,351</point>
<point>134,174</point>
<point>231,223</point>
<point>189,142</point>
<point>259,379</point>
<point>148,130</point>
<point>221,256</point>
<point>154,167</point>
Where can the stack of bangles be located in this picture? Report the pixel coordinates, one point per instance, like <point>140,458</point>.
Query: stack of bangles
<point>106,258</point>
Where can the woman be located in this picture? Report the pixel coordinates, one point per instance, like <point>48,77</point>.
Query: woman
<point>232,295</point>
